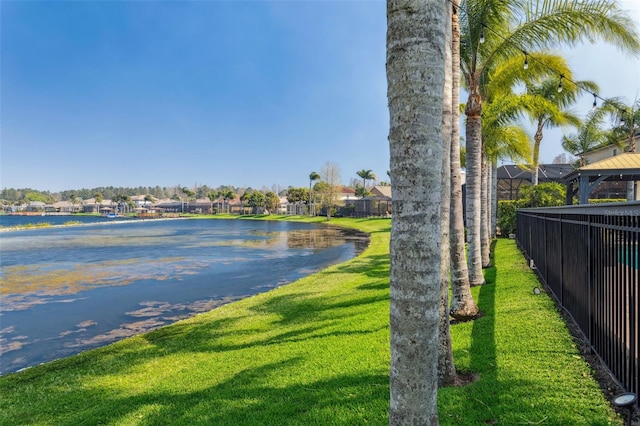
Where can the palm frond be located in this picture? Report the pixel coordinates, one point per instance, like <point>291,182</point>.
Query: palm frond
<point>508,142</point>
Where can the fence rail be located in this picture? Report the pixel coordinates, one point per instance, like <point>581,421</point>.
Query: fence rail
<point>588,258</point>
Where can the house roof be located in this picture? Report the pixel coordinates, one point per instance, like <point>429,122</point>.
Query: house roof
<point>623,167</point>
<point>383,191</point>
<point>347,190</point>
<point>628,160</point>
<point>546,172</point>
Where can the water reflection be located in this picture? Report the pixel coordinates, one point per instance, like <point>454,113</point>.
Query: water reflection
<point>69,289</point>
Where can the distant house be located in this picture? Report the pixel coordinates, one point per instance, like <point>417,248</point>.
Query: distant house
<point>170,206</point>
<point>66,207</point>
<point>90,205</point>
<point>200,206</point>
<point>346,194</point>
<point>377,204</point>
<point>36,206</point>
<point>609,151</point>
<point>140,201</point>
<point>382,192</point>
<point>282,208</point>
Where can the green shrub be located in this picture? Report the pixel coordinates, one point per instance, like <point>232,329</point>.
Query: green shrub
<point>606,200</point>
<point>507,216</point>
<point>546,194</point>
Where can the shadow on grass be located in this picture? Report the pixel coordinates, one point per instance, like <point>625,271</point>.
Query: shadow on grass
<point>372,266</point>
<point>254,395</point>
<point>246,398</point>
<point>312,371</point>
<point>527,372</point>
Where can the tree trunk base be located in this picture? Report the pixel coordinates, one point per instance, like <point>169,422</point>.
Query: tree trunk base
<point>465,313</point>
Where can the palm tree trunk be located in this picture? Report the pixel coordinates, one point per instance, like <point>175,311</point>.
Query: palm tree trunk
<point>494,198</point>
<point>474,181</point>
<point>486,207</point>
<point>463,307</point>
<point>415,78</point>
<point>537,140</point>
<point>446,367</point>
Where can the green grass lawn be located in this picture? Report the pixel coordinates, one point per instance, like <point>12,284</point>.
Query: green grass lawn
<point>316,352</point>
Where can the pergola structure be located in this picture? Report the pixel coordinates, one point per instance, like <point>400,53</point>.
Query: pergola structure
<point>621,168</point>
<point>511,178</point>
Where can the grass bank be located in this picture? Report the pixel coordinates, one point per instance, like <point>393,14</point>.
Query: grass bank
<point>317,352</point>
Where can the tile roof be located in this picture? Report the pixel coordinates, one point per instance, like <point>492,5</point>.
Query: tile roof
<point>628,160</point>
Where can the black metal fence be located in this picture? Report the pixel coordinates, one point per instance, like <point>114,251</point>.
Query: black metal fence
<point>588,257</point>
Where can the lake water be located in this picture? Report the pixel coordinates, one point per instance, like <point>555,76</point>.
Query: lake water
<point>68,289</point>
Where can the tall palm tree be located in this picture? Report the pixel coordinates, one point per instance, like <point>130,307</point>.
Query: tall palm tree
<point>313,176</point>
<point>495,30</point>
<point>463,307</point>
<point>554,113</point>
<point>366,175</point>
<point>503,139</point>
<point>446,367</point>
<point>416,32</point>
<point>502,109</point>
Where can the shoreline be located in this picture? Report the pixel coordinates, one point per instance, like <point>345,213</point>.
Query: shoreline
<point>46,225</point>
<point>150,314</point>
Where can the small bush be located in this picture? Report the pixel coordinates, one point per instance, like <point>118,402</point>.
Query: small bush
<point>507,216</point>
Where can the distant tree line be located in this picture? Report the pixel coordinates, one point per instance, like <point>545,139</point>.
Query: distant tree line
<point>26,195</point>
<point>327,185</point>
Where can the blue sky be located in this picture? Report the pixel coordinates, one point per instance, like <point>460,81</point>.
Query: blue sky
<point>171,93</point>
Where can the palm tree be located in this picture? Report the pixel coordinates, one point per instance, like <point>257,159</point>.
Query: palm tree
<point>625,130</point>
<point>366,175</point>
<point>99,199</point>
<point>554,113</point>
<point>416,32</point>
<point>548,23</point>
<point>500,137</point>
<point>463,307</point>
<point>212,196</point>
<point>504,138</point>
<point>446,367</point>
<point>313,176</point>
<point>590,135</point>
<point>627,122</point>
